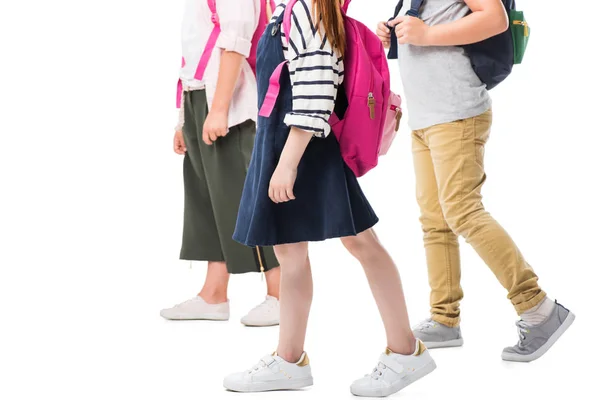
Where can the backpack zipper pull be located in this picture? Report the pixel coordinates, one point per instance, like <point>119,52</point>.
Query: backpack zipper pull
<point>371,104</point>
<point>398,117</point>
<point>524,25</point>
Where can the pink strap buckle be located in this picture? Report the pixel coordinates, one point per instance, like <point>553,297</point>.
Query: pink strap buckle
<point>214,18</point>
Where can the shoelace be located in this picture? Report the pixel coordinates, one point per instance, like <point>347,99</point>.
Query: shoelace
<point>428,323</point>
<point>523,329</point>
<point>378,371</point>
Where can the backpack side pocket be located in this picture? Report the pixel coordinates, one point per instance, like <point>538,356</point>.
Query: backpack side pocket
<point>520,34</point>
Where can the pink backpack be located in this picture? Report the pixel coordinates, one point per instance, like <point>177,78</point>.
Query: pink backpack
<point>212,41</point>
<point>373,115</point>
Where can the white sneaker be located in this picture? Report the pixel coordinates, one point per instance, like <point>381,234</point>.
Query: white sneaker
<point>271,373</point>
<point>197,308</point>
<point>265,314</point>
<point>394,372</point>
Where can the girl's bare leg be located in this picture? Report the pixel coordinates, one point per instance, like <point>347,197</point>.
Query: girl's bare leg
<point>386,287</point>
<point>294,300</point>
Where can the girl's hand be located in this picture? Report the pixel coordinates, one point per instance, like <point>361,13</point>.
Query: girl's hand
<point>411,30</point>
<point>383,32</point>
<point>215,126</point>
<point>179,143</point>
<point>281,188</point>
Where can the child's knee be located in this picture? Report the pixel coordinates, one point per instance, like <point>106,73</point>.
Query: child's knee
<point>290,253</point>
<point>362,245</point>
<point>462,217</point>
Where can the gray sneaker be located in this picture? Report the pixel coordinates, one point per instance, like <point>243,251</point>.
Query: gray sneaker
<point>534,341</point>
<point>435,335</point>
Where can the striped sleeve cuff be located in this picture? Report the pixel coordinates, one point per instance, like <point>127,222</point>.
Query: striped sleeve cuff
<point>314,124</point>
<point>229,42</point>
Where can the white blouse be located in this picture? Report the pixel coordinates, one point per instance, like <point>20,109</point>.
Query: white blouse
<point>238,20</point>
<point>316,71</point>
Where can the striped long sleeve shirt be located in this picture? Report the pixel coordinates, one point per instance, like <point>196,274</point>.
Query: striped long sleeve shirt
<point>316,71</point>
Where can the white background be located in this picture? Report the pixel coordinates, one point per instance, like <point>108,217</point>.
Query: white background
<point>91,215</point>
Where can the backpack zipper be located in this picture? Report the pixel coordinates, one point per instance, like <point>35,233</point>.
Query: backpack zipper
<point>371,99</point>
<point>524,25</point>
<point>371,104</point>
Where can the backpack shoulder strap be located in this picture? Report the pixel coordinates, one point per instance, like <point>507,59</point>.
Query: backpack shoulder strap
<point>212,40</point>
<point>415,7</point>
<point>397,9</point>
<point>287,19</point>
<point>393,52</point>
<point>212,5</point>
<point>345,6</point>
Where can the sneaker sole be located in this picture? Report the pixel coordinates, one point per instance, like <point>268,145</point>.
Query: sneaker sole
<point>259,324</point>
<point>407,380</point>
<point>447,343</point>
<point>542,350</point>
<point>204,317</point>
<point>268,386</point>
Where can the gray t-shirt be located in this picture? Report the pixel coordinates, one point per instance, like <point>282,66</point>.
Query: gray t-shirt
<point>439,82</point>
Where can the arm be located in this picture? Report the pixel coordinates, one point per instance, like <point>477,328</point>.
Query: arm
<point>314,91</point>
<point>315,76</point>
<point>238,20</point>
<point>281,188</point>
<point>217,120</point>
<point>488,18</point>
<point>229,71</point>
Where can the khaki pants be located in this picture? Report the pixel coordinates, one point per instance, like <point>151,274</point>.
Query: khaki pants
<point>449,171</point>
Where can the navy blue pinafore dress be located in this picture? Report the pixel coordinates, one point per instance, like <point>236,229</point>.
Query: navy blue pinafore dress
<point>329,201</point>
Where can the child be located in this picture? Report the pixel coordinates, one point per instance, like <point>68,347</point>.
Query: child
<point>451,118</point>
<point>217,137</point>
<point>300,190</point>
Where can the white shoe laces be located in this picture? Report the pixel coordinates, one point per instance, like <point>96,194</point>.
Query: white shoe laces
<point>378,371</point>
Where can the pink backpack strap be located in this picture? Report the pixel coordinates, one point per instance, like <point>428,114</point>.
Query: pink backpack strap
<point>345,6</point>
<point>179,93</point>
<point>274,86</point>
<point>272,92</point>
<point>212,40</point>
<point>180,86</point>
<point>287,19</point>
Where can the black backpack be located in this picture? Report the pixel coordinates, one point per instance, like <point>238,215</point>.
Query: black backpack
<point>492,59</point>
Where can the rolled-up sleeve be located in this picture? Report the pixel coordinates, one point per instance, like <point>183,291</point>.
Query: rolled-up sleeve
<point>314,89</point>
<point>315,74</point>
<point>237,25</point>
